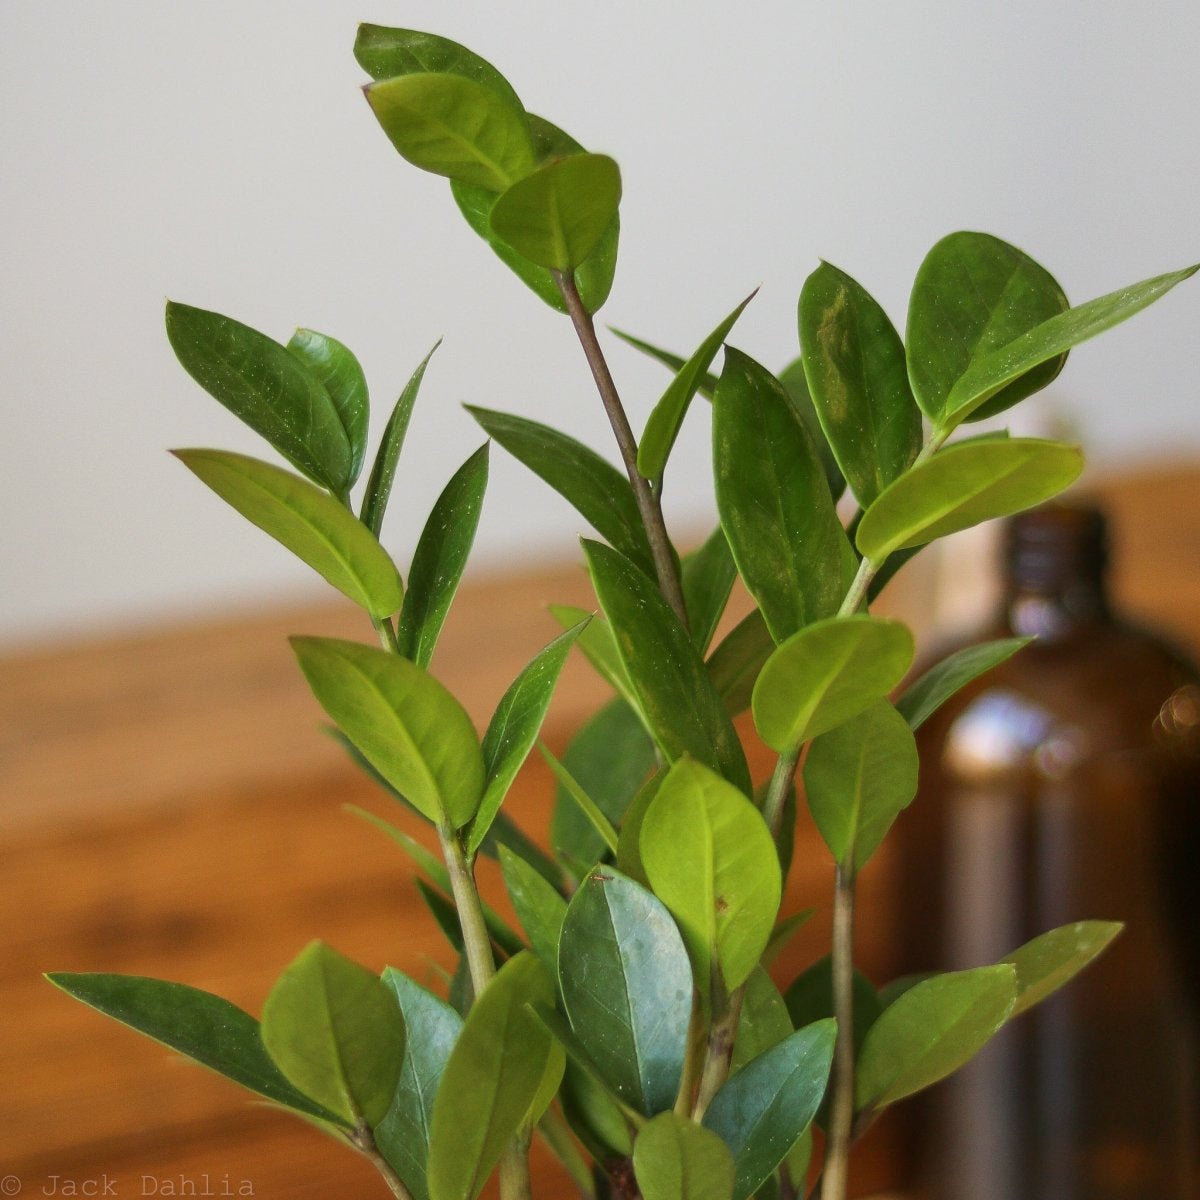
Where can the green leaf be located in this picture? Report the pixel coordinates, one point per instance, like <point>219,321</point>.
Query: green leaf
<point>594,1116</point>
<point>706,385</point>
<point>764,1021</point>
<point>854,362</point>
<point>784,932</point>
<point>199,1025</point>
<point>673,688</point>
<point>440,559</point>
<point>711,860</point>
<point>964,485</point>
<point>858,778</point>
<point>707,576</point>
<point>587,805</point>
<point>335,1030</point>
<point>383,473</point>
<point>795,383</point>
<point>763,1109</point>
<point>514,728</point>
<point>342,377</point>
<point>676,1159</point>
<point>494,1073</point>
<point>739,659</point>
<point>923,697</point>
<point>809,998</point>
<point>972,295</point>
<point>597,490</point>
<point>826,674</point>
<point>539,907</point>
<point>271,390</point>
<point>433,1028</point>
<point>453,126</point>
<point>985,377</point>
<point>1053,959</point>
<point>406,724</point>
<point>666,419</point>
<point>309,522</point>
<point>626,984</point>
<point>931,1030</point>
<point>599,647</point>
<point>556,216</point>
<point>774,502</point>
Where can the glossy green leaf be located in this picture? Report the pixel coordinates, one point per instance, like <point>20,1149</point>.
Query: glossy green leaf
<point>308,521</point>
<point>983,380</point>
<point>440,559</point>
<point>593,1114</point>
<point>383,472</point>
<point>494,1073</point>
<point>433,1028</point>
<point>199,1025</point>
<point>407,725</point>
<point>763,1109</point>
<point>514,728</point>
<point>795,383</point>
<point>809,998</point>
<point>342,377</point>
<point>931,1030</point>
<point>335,1030</point>
<point>674,691</point>
<point>964,485</point>
<point>923,697</point>
<point>676,1159</point>
<point>858,778</point>
<point>739,659</point>
<point>590,809</point>
<point>597,490</point>
<point>453,126</point>
<point>629,842</point>
<point>706,385</point>
<point>539,907</point>
<point>774,502</point>
<point>854,362</point>
<point>764,1020</point>
<point>711,860</point>
<point>707,576</point>
<point>626,984</point>
<point>972,295</point>
<point>1053,959</point>
<point>826,674</point>
<point>556,215</point>
<point>666,418</point>
<point>273,391</point>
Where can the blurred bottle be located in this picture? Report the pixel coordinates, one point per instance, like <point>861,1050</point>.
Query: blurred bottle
<point>1065,785</point>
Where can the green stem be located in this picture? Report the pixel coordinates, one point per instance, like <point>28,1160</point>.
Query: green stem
<point>649,505</point>
<point>777,790</point>
<point>693,1063</point>
<point>841,1109</point>
<point>364,1142</point>
<point>476,941</point>
<point>719,1055</point>
<point>514,1169</point>
<point>858,589</point>
<point>557,1134</point>
<point>387,634</point>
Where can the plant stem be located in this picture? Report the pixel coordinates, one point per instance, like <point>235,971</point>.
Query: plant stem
<point>649,505</point>
<point>364,1142</point>
<point>476,941</point>
<point>514,1169</point>
<point>841,1111</point>
<point>558,1137</point>
<point>858,589</point>
<point>721,1040</point>
<point>777,790</point>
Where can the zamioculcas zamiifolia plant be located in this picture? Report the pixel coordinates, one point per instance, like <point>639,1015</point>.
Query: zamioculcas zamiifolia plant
<point>631,1021</point>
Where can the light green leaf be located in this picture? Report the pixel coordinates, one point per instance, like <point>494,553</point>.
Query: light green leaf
<point>406,724</point>
<point>931,1030</point>
<point>764,1021</point>
<point>923,697</point>
<point>342,377</point>
<point>711,860</point>
<point>440,559</point>
<point>676,1159</point>
<point>666,418</point>
<point>707,576</point>
<point>273,391</point>
<point>199,1025</point>
<point>854,362</point>
<point>335,1030</point>
<point>858,778</point>
<point>964,485</point>
<point>826,674</point>
<point>738,659</point>
<point>495,1071</point>
<point>453,126</point>
<point>308,521</point>
<point>1053,959</point>
<point>587,805</point>
<point>539,907</point>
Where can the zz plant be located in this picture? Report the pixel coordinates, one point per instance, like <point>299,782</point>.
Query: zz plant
<point>631,1021</point>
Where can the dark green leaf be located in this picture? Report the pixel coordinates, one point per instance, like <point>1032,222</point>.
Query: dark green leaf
<point>922,698</point>
<point>539,907</point>
<point>1053,959</point>
<point>964,485</point>
<point>273,391</point>
<point>736,662</point>
<point>590,809</point>
<point>707,576</point>
<point>784,932</point>
<point>764,1021</point>
<point>205,1028</point>
<point>795,383</point>
<point>440,559</point>
<point>706,386</point>
<point>809,998</point>
<point>763,1109</point>
<point>674,691</point>
<point>335,1030</point>
<point>593,1114</point>
<point>627,986</point>
<point>676,1159</point>
<point>854,362</point>
<point>599,647</point>
<point>309,522</point>
<point>774,502</point>
<point>629,849</point>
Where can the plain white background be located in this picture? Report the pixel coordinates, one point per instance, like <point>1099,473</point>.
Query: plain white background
<point>219,152</point>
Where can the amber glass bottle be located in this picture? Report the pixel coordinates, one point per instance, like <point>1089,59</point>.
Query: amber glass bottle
<point>1065,785</point>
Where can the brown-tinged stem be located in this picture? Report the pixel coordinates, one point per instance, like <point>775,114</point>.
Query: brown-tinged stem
<point>841,1108</point>
<point>721,1040</point>
<point>364,1142</point>
<point>649,505</point>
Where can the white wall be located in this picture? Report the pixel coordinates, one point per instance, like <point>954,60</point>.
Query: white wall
<point>219,152</point>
